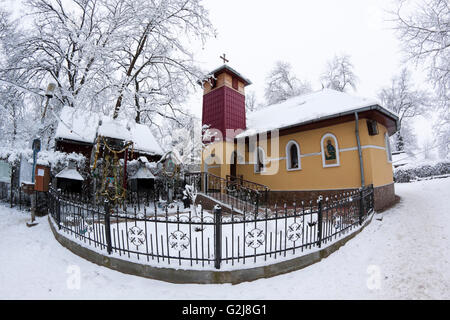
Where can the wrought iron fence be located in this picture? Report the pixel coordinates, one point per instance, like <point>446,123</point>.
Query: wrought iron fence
<point>16,197</point>
<point>169,234</point>
<point>236,192</point>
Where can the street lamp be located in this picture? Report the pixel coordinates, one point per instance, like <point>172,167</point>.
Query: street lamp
<point>49,94</point>
<point>36,146</point>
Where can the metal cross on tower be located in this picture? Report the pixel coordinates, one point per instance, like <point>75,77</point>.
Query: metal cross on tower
<point>225,60</point>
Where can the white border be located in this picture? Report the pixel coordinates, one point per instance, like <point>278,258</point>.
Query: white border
<point>255,157</point>
<point>288,156</point>
<point>388,149</point>
<point>337,151</point>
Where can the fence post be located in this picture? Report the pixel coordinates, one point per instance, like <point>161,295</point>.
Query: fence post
<point>107,227</point>
<point>257,201</point>
<point>58,211</point>
<point>361,206</point>
<point>319,221</point>
<point>218,242</point>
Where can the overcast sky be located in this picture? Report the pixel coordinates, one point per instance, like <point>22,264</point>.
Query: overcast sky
<point>254,34</point>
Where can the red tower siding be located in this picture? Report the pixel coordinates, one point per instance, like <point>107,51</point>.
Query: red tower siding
<point>224,108</point>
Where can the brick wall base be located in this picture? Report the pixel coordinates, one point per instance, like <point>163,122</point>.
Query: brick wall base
<point>383,197</point>
<point>288,197</point>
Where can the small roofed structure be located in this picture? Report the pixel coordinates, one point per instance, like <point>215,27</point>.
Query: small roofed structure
<point>69,179</point>
<point>108,145</point>
<point>78,130</point>
<point>143,180</point>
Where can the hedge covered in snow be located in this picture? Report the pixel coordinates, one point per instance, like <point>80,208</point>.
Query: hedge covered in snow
<point>414,171</point>
<point>56,160</point>
<point>13,155</point>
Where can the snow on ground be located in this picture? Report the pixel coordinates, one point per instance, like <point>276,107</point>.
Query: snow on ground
<point>404,256</point>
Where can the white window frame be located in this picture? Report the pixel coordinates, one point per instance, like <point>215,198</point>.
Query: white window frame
<point>387,147</point>
<point>288,156</point>
<point>338,160</point>
<point>263,160</point>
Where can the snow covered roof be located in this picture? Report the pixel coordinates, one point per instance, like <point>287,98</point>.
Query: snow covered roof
<point>173,154</point>
<point>128,130</point>
<point>71,174</point>
<point>401,158</point>
<point>231,70</point>
<point>307,108</point>
<point>82,125</point>
<point>78,125</point>
<point>143,173</point>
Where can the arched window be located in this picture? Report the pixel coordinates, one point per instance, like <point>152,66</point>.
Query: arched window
<point>388,148</point>
<point>330,151</point>
<point>260,160</point>
<point>293,156</point>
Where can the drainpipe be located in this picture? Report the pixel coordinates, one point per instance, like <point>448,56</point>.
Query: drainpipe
<point>361,164</point>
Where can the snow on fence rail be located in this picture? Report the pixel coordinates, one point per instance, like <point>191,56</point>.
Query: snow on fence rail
<point>181,239</point>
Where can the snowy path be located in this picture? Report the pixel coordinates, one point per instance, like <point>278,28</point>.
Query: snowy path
<point>404,256</point>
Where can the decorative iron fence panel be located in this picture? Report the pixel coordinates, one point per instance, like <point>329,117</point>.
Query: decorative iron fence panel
<point>161,234</point>
<point>235,192</point>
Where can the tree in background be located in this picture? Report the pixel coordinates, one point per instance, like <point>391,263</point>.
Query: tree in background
<point>423,28</point>
<point>154,65</point>
<point>339,74</point>
<point>183,136</point>
<point>110,56</point>
<point>405,139</point>
<point>281,84</point>
<point>15,119</point>
<point>251,102</point>
<point>442,134</point>
<point>407,103</point>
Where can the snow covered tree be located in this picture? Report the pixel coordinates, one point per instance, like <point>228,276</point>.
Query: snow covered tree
<point>423,28</point>
<point>67,45</point>
<point>155,68</point>
<point>405,139</point>
<point>428,149</point>
<point>15,117</point>
<point>442,134</point>
<point>251,103</point>
<point>112,56</point>
<point>190,192</point>
<point>184,137</point>
<point>281,84</point>
<point>339,74</point>
<point>406,101</point>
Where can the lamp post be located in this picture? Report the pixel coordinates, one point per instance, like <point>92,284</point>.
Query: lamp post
<point>49,94</point>
<point>36,146</point>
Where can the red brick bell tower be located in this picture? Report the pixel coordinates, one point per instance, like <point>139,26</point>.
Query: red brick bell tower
<point>224,100</point>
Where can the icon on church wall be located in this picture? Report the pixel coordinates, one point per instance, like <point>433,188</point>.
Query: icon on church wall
<point>330,152</point>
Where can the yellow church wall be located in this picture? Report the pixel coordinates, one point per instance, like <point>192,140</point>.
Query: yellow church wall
<point>312,175</point>
<point>380,167</point>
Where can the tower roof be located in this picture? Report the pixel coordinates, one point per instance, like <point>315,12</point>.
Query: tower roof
<point>227,68</point>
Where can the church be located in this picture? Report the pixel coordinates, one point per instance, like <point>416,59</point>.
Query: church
<point>321,143</point>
